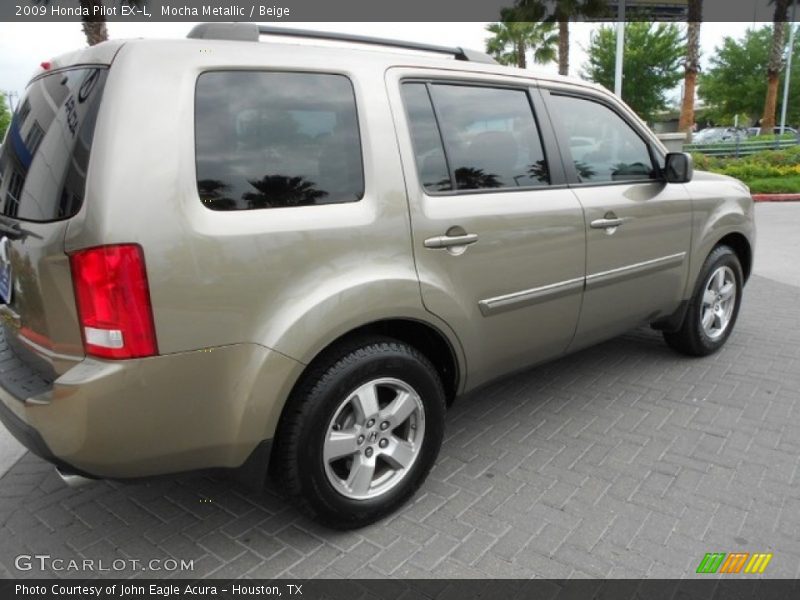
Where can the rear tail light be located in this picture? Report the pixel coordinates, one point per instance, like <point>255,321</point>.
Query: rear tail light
<point>113,301</point>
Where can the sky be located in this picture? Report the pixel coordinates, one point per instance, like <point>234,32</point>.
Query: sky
<point>24,45</point>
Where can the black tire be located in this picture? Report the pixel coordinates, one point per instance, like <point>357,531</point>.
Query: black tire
<point>692,338</point>
<point>297,463</point>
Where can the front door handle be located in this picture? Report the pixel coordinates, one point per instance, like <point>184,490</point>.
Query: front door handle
<point>606,223</point>
<point>448,241</point>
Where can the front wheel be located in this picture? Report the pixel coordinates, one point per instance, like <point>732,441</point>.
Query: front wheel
<point>361,432</point>
<point>714,307</point>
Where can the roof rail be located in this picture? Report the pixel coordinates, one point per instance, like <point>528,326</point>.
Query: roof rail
<point>250,32</point>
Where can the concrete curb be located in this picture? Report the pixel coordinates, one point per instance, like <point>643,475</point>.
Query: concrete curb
<point>10,451</point>
<point>776,197</point>
<point>9,459</point>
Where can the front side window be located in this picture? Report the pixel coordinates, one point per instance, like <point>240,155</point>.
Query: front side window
<point>273,140</point>
<point>488,135</point>
<point>604,147</point>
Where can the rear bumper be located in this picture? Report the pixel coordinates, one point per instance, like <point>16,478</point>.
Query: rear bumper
<point>25,434</point>
<point>154,416</point>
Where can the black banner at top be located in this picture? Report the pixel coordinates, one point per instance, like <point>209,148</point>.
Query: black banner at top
<point>380,10</point>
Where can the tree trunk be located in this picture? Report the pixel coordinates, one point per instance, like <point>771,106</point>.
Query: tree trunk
<point>770,104</point>
<point>522,63</point>
<point>94,26</point>
<point>686,122</point>
<point>95,31</point>
<point>563,47</point>
<point>775,66</point>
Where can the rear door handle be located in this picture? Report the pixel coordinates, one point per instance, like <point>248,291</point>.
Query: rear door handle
<point>448,241</point>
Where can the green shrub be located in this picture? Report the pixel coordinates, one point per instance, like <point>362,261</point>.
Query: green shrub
<point>770,138</point>
<point>749,171</point>
<point>766,172</point>
<point>780,185</point>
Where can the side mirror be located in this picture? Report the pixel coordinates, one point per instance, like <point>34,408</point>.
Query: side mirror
<point>678,167</point>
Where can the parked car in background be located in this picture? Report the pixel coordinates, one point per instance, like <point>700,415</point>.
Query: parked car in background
<point>756,131</point>
<point>291,259</point>
<point>714,135</point>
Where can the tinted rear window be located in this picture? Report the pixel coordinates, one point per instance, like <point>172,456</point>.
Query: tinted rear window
<point>46,150</point>
<point>478,137</point>
<point>273,140</point>
<point>428,148</point>
<point>490,136</point>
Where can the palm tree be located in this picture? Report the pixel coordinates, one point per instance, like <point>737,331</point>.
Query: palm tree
<point>283,190</point>
<point>94,26</point>
<point>775,64</point>
<point>686,122</point>
<point>561,12</point>
<point>512,39</point>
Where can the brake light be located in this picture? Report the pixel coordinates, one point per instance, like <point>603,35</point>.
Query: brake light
<point>113,299</point>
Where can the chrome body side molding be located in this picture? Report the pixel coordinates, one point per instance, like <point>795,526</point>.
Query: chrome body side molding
<point>498,304</point>
<point>545,293</point>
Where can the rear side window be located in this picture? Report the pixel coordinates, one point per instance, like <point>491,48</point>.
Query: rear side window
<point>431,162</point>
<point>274,140</point>
<point>490,137</point>
<point>46,150</point>
<point>604,147</point>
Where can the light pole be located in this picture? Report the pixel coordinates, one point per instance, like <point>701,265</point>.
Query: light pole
<point>10,95</point>
<point>788,76</point>
<point>620,48</point>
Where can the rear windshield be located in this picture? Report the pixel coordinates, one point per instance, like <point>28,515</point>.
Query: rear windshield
<point>46,150</point>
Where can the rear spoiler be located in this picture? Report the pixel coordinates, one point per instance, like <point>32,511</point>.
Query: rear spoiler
<point>101,54</point>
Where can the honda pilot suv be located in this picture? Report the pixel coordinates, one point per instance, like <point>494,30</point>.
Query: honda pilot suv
<point>289,257</point>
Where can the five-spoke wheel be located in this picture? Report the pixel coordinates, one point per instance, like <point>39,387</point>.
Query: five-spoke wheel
<point>361,431</point>
<point>374,438</point>
<point>712,310</point>
<point>719,301</point>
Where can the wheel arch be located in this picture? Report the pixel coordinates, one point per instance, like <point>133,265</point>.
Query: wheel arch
<point>426,338</point>
<point>429,339</point>
<point>741,246</point>
<point>721,222</point>
<point>438,345</point>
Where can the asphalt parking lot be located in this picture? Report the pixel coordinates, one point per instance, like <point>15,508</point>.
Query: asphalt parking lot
<point>624,460</point>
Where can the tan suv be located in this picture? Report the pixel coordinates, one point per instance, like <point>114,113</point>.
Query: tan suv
<point>290,257</point>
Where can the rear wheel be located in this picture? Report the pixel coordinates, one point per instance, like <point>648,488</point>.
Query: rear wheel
<point>714,307</point>
<point>361,432</point>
